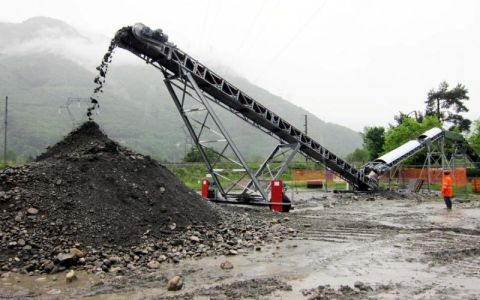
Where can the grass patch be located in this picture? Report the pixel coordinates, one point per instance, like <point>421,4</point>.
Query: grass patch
<point>191,174</point>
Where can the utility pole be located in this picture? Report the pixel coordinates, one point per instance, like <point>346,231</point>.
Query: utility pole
<point>187,141</point>
<point>5,136</point>
<point>306,131</point>
<point>69,102</point>
<point>306,124</point>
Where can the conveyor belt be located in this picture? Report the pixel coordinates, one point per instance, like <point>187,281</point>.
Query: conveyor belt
<point>385,162</point>
<point>153,47</point>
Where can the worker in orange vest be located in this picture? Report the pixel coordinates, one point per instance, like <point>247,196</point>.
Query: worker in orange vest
<point>447,191</point>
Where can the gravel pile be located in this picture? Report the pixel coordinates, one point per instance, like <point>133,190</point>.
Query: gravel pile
<point>91,204</point>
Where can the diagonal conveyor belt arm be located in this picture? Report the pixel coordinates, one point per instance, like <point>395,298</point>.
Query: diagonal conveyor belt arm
<point>153,47</point>
<point>384,163</point>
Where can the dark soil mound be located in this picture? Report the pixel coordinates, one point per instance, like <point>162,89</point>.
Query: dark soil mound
<point>81,140</point>
<point>92,190</point>
<point>91,204</point>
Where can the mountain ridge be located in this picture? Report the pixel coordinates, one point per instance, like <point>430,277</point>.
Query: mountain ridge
<point>135,107</point>
<point>33,28</point>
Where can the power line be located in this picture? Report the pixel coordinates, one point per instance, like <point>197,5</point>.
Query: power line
<point>202,32</point>
<point>247,34</point>
<point>215,18</point>
<point>290,42</point>
<point>261,33</point>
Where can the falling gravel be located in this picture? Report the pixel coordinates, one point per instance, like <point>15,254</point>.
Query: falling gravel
<point>100,79</point>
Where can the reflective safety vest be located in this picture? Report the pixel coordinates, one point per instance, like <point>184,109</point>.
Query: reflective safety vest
<point>447,186</point>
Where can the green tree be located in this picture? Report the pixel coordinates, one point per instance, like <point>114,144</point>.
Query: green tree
<point>448,104</point>
<point>401,116</point>
<point>410,129</point>
<point>474,139</point>
<point>359,155</point>
<point>194,155</point>
<point>373,140</point>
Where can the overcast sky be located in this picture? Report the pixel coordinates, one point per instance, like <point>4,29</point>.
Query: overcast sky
<point>355,63</point>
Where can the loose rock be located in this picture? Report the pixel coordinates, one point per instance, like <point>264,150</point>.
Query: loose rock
<point>226,265</point>
<point>77,253</point>
<point>153,264</point>
<point>32,211</point>
<point>194,238</point>
<point>276,227</point>
<point>70,277</point>
<point>175,283</point>
<point>67,259</point>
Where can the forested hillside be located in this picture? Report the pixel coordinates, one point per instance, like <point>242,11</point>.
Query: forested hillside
<point>135,108</point>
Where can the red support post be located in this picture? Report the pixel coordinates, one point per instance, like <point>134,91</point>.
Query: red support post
<point>277,195</point>
<point>205,188</point>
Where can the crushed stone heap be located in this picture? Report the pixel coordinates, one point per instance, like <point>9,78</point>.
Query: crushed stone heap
<point>88,192</point>
<point>97,192</point>
<point>94,191</point>
<point>90,204</point>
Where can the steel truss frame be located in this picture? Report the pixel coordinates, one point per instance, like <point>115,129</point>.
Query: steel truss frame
<point>275,171</point>
<point>435,156</point>
<point>435,149</point>
<point>201,120</point>
<point>438,156</point>
<point>464,152</point>
<point>393,172</point>
<point>163,55</point>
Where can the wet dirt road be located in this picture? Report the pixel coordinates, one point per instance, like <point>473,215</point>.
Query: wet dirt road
<point>397,248</point>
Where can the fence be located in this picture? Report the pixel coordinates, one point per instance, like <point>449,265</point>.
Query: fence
<point>302,176</point>
<point>405,176</point>
<point>459,175</point>
<point>476,185</point>
<point>417,178</point>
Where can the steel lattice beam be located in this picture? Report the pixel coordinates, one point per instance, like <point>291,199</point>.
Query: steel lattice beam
<point>154,49</point>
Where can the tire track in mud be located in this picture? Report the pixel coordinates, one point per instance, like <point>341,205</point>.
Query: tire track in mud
<point>407,236</point>
<point>341,228</point>
<point>469,266</point>
<point>437,243</point>
<point>453,247</point>
<point>440,244</point>
<point>339,234</point>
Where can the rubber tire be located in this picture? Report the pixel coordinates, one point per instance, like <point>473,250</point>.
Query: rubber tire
<point>286,208</point>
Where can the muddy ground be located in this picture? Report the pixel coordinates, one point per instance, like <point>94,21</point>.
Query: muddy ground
<point>386,246</point>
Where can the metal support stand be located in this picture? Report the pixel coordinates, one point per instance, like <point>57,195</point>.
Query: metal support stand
<point>394,172</point>
<point>436,156</point>
<point>429,162</point>
<point>459,152</point>
<point>218,150</point>
<point>275,172</point>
